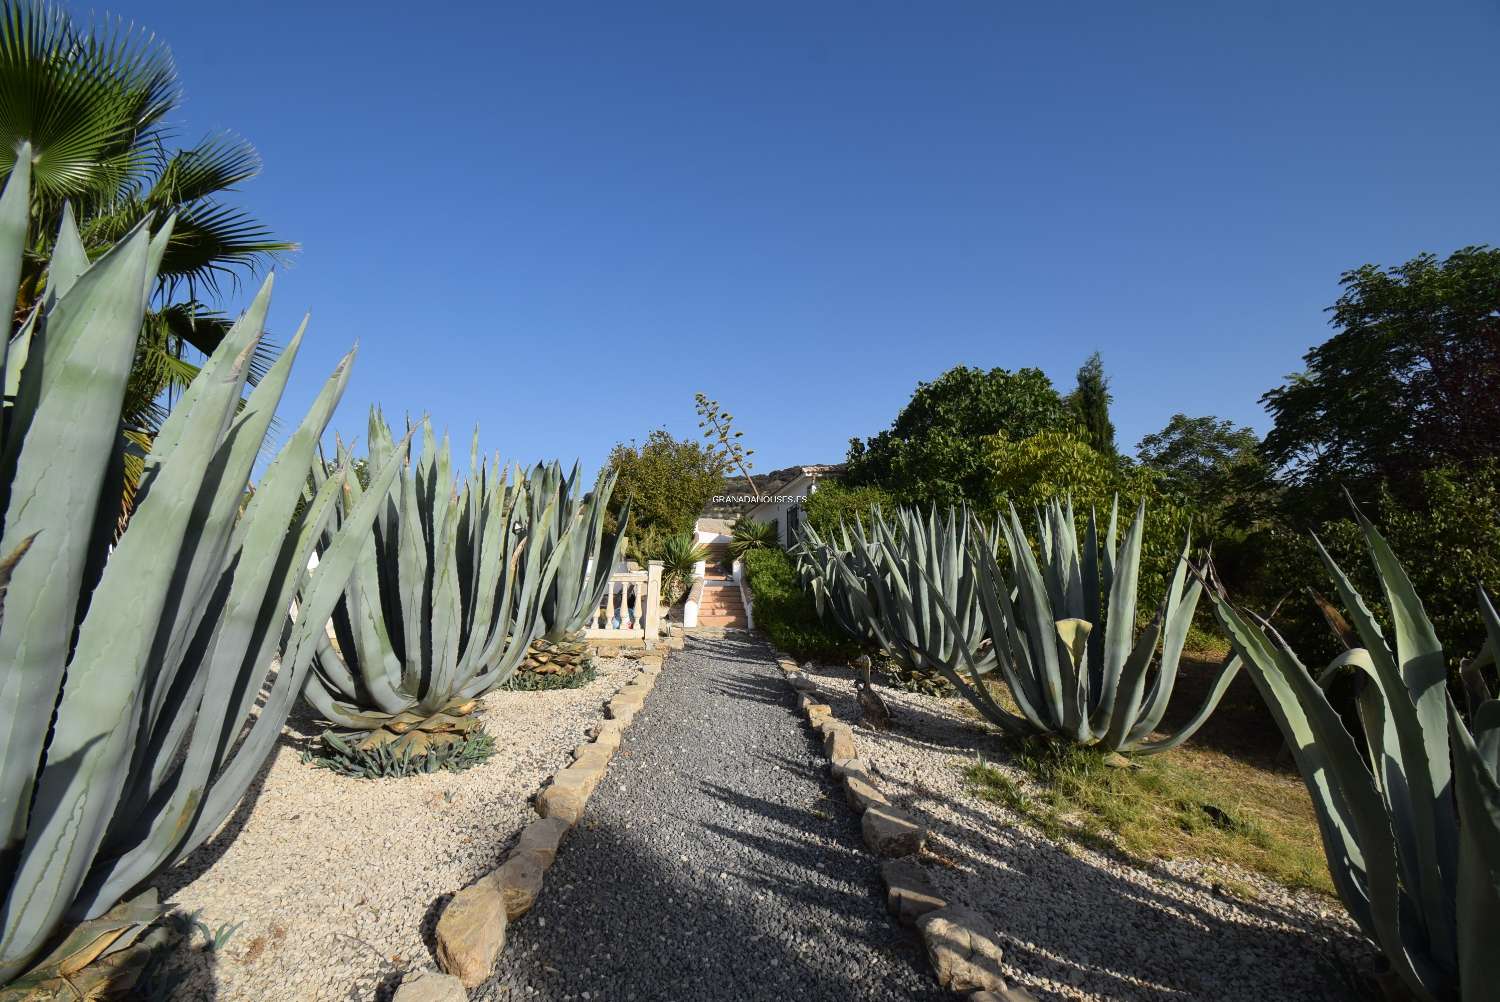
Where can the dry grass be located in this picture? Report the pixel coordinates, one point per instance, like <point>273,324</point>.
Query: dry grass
<point>1210,799</point>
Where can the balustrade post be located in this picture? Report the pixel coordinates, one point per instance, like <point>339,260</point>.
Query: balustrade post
<point>653,602</point>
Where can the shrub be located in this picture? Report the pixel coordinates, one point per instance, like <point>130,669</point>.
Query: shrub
<point>834,503</point>
<point>749,534</point>
<point>786,612</point>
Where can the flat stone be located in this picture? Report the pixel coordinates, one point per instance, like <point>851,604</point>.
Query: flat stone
<point>520,881</point>
<point>962,951</point>
<point>595,756</point>
<point>816,712</point>
<point>540,840</point>
<point>1117,761</point>
<point>802,684</point>
<point>622,708</point>
<point>431,986</point>
<point>861,792</point>
<point>563,802</point>
<point>786,664</point>
<point>471,933</point>
<point>891,833</point>
<point>909,892</point>
<point>841,767</point>
<point>651,667</point>
<point>584,775</point>
<point>838,742</point>
<point>607,734</point>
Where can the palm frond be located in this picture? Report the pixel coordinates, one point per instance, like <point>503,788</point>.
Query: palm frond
<point>212,242</point>
<point>217,164</point>
<point>83,99</point>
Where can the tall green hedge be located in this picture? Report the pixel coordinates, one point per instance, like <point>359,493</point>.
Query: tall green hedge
<point>786,612</point>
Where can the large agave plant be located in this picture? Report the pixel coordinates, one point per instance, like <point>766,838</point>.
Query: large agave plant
<point>1065,633</point>
<point>447,594</point>
<point>908,585</point>
<point>572,524</point>
<point>1410,815</point>
<point>130,666</point>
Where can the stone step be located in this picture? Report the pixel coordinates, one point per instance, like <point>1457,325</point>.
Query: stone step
<point>723,621</point>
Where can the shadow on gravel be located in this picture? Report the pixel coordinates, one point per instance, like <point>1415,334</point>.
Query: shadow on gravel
<point>1070,920</point>
<point>639,931</point>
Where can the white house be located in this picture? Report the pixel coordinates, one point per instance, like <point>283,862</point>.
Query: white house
<point>782,494</point>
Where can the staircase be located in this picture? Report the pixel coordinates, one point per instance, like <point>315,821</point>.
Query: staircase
<point>722,607</point>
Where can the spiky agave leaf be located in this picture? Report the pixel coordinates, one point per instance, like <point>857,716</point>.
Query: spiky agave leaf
<point>1411,821</point>
<point>163,635</point>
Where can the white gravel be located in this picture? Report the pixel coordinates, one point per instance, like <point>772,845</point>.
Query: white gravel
<point>1080,924</point>
<point>335,882</point>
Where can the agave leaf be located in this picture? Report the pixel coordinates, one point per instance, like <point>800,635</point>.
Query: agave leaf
<point>1478,885</point>
<point>55,488</point>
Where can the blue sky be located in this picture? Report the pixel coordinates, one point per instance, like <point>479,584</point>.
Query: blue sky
<point>563,220</point>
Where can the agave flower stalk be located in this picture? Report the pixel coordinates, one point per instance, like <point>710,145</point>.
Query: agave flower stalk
<point>1410,819</point>
<point>130,666</point>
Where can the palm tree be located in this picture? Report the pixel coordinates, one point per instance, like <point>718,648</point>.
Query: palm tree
<point>91,101</point>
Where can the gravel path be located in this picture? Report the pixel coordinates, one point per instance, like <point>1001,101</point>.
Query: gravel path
<point>1079,924</point>
<point>714,862</point>
<point>334,881</point>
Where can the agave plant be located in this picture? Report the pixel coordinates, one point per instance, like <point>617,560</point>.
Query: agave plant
<point>446,596</point>
<point>1410,816</point>
<point>891,584</point>
<point>750,534</point>
<point>130,667</point>
<point>571,524</point>
<point>1065,634</point>
<point>560,657</point>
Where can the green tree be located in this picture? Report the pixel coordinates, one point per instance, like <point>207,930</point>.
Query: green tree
<point>932,452</point>
<point>1090,402</point>
<point>668,481</point>
<point>1212,464</point>
<point>90,101</point>
<point>1411,381</point>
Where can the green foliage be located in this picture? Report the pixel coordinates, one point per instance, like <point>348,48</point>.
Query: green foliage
<point>667,483</point>
<point>930,454</point>
<point>1031,472</point>
<point>454,584</point>
<point>749,534</point>
<point>92,101</point>
<point>679,556</point>
<point>834,504</point>
<point>1410,381</point>
<point>1410,814</point>
<point>786,613</point>
<point>131,665</point>
<point>393,762</point>
<point>530,681</point>
<point>1090,402</point>
<point>1066,636</point>
<point>1204,460</point>
<point>1445,524</point>
<point>907,586</point>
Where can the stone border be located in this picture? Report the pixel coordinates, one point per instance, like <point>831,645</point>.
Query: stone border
<point>959,943</point>
<point>471,929</point>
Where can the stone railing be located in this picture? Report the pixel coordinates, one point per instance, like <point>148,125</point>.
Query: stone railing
<point>631,607</point>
